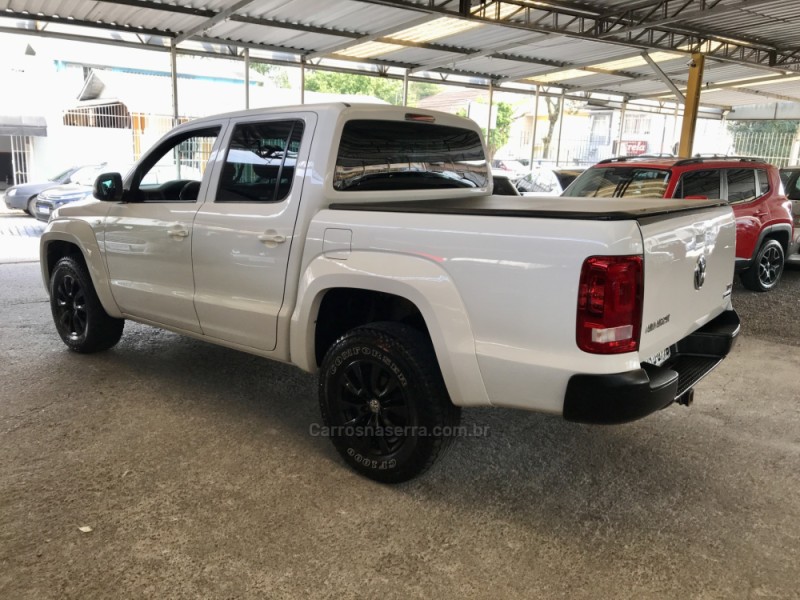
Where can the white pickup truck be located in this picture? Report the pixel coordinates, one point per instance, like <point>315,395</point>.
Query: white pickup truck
<point>363,243</point>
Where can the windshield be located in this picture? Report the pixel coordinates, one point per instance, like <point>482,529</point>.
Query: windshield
<point>61,176</point>
<point>620,182</point>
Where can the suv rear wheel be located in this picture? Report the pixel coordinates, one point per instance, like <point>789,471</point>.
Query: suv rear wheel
<point>767,268</point>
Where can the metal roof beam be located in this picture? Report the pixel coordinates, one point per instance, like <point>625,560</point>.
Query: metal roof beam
<point>683,12</point>
<point>367,38</point>
<point>664,77</point>
<point>555,17</point>
<point>494,52</point>
<point>221,16</point>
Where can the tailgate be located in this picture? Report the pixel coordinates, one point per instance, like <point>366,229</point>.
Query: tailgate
<point>688,274</point>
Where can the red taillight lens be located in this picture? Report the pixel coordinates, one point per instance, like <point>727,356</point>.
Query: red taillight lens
<point>610,304</point>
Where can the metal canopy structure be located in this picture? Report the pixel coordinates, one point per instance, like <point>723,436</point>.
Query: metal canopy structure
<point>629,50</point>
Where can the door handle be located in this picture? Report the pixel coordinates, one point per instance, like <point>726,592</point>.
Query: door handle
<point>179,232</point>
<point>271,238</point>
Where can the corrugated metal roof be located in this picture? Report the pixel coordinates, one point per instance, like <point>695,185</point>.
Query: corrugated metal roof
<point>529,42</point>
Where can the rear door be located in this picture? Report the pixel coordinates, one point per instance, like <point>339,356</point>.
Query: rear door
<point>745,194</point>
<point>244,231</point>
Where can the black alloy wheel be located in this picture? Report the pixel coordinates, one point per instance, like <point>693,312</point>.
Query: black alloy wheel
<point>384,403</point>
<point>79,317</point>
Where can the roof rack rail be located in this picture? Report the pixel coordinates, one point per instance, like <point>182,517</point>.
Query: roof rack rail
<point>713,157</point>
<point>637,157</point>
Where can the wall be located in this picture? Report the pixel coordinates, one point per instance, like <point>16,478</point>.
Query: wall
<point>67,146</point>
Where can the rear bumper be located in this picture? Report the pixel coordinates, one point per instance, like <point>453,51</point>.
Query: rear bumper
<point>623,397</point>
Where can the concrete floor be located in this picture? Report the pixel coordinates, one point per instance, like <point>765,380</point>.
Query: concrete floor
<point>194,467</point>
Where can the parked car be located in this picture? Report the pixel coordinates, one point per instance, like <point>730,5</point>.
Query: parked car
<point>410,292</point>
<point>503,186</point>
<point>513,169</point>
<point>23,196</point>
<point>790,176</point>
<point>764,223</point>
<point>567,175</point>
<point>540,182</point>
<point>80,188</point>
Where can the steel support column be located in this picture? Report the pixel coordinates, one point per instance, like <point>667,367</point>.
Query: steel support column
<point>560,129</point>
<point>621,128</point>
<point>535,123</point>
<point>489,124</point>
<point>405,88</point>
<point>247,78</point>
<point>692,104</point>
<point>173,73</point>
<point>303,81</point>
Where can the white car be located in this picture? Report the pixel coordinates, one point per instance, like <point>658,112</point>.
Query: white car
<point>363,244</point>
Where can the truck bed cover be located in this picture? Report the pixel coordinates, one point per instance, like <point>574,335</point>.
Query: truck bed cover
<point>595,209</point>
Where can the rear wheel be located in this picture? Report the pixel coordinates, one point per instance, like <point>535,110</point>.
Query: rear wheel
<point>384,403</point>
<point>80,319</point>
<point>767,268</point>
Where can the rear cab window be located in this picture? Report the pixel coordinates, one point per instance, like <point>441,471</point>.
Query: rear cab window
<point>620,182</point>
<point>377,155</point>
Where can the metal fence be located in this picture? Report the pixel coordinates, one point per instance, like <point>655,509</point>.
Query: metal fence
<point>775,148</point>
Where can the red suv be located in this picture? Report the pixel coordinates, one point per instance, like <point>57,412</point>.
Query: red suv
<point>752,187</point>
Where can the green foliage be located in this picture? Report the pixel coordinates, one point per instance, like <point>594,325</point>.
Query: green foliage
<point>275,73</point>
<point>388,90</point>
<point>498,137</point>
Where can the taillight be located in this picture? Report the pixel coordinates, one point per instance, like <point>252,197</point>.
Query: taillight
<point>610,304</point>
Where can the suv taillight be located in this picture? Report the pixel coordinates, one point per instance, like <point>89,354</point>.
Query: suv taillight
<point>610,304</point>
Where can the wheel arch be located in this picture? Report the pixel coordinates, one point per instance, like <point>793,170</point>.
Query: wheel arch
<point>57,243</point>
<point>373,286</point>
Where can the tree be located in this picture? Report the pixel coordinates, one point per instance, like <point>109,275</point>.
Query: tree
<point>388,90</point>
<point>275,73</point>
<point>498,136</point>
<point>553,112</point>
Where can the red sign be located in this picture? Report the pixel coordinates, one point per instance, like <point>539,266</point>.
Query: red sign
<point>635,147</point>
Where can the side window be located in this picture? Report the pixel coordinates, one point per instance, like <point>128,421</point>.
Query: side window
<point>699,183</point>
<point>741,185</point>
<point>260,163</point>
<point>763,181</point>
<point>174,172</point>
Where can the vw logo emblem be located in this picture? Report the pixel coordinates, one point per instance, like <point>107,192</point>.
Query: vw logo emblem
<point>700,273</point>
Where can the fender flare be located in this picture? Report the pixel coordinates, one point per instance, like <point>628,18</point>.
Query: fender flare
<point>420,281</point>
<point>80,234</point>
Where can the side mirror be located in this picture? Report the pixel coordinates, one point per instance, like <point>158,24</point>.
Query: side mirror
<point>108,187</point>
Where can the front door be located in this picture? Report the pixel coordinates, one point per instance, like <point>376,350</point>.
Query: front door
<point>243,233</point>
<point>148,236</point>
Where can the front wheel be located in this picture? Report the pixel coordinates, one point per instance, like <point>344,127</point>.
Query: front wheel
<point>384,403</point>
<point>767,268</point>
<point>81,321</point>
<point>31,207</point>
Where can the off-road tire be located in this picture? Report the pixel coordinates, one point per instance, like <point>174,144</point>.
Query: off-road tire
<point>384,377</point>
<point>80,319</point>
